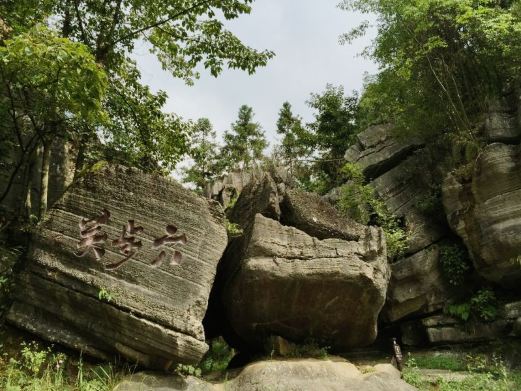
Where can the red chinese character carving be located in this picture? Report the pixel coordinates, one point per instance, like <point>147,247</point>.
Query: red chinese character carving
<point>92,237</point>
<point>127,244</point>
<point>169,238</point>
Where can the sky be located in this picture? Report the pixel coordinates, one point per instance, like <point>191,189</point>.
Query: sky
<point>304,37</point>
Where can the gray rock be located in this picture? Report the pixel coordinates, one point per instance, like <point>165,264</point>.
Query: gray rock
<point>417,286</point>
<point>511,310</point>
<point>259,196</point>
<point>502,127</point>
<point>444,329</point>
<point>333,196</point>
<point>287,283</point>
<point>148,314</point>
<point>229,186</point>
<point>334,374</point>
<point>316,217</point>
<point>502,121</point>
<point>402,191</point>
<point>378,150</point>
<point>517,327</point>
<point>485,211</point>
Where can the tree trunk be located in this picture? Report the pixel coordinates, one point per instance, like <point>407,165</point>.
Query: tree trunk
<point>26,207</point>
<point>44,187</point>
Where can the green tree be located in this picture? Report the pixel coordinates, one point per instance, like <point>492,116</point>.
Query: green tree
<point>203,151</point>
<point>295,145</point>
<point>334,128</point>
<point>244,144</point>
<point>50,88</point>
<point>183,35</point>
<point>441,61</point>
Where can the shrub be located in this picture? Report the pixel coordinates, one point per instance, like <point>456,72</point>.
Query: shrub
<point>104,295</point>
<point>455,264</point>
<point>234,230</point>
<point>218,357</point>
<point>38,369</point>
<point>481,306</point>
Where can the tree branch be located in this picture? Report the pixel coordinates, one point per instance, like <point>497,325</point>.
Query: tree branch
<point>158,23</point>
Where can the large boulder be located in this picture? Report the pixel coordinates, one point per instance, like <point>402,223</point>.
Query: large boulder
<point>377,149</point>
<point>282,281</point>
<point>417,286</point>
<point>108,273</point>
<point>485,210</point>
<point>334,374</point>
<point>317,217</point>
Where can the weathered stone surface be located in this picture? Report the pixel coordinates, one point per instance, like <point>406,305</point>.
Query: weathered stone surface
<point>511,310</point>
<point>287,283</point>
<point>153,314</point>
<point>259,196</point>
<point>334,374</point>
<point>502,121</point>
<point>377,150</point>
<point>517,327</point>
<point>402,191</point>
<point>229,186</point>
<point>316,217</point>
<point>444,329</point>
<point>417,285</point>
<point>486,212</point>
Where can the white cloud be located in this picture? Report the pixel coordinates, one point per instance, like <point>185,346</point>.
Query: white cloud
<point>304,36</point>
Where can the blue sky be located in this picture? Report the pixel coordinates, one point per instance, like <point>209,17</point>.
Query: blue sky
<point>304,36</point>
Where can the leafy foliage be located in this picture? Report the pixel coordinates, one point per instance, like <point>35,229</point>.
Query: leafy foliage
<point>243,144</point>
<point>481,306</point>
<point>50,88</point>
<point>218,357</point>
<point>332,132</point>
<point>455,263</point>
<point>296,144</point>
<point>75,79</point>
<point>203,151</point>
<point>62,78</point>
<point>39,369</point>
<point>440,60</point>
<point>139,132</point>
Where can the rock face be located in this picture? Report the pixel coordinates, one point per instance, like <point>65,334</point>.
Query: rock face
<point>377,149</point>
<point>259,196</point>
<point>485,210</point>
<point>403,193</point>
<point>417,285</point>
<point>444,329</point>
<point>285,282</point>
<point>228,187</point>
<point>290,375</point>
<point>503,119</point>
<point>391,165</point>
<point>149,308</point>
<point>311,214</point>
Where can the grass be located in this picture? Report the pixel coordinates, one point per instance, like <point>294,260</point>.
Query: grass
<point>35,368</point>
<point>482,373</point>
<point>446,361</point>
